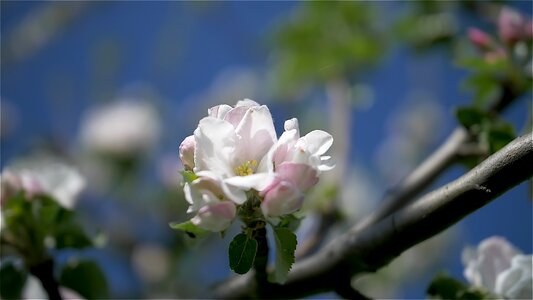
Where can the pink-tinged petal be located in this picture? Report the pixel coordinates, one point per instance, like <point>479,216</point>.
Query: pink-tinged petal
<point>219,111</point>
<point>258,181</point>
<point>235,115</point>
<point>303,176</point>
<point>282,199</point>
<point>246,102</point>
<point>215,146</point>
<point>257,134</point>
<point>280,151</point>
<point>318,142</point>
<point>216,216</point>
<point>186,151</point>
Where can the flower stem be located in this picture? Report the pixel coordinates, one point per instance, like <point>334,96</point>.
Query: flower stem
<point>261,257</point>
<point>45,272</point>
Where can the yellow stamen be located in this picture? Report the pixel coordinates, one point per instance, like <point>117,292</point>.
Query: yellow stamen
<point>247,168</point>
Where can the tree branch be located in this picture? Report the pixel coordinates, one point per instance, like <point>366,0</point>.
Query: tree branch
<point>370,248</point>
<point>455,146</point>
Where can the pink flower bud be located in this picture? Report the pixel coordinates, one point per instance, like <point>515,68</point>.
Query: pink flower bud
<point>281,198</point>
<point>186,150</point>
<point>479,38</point>
<point>511,26</point>
<point>215,216</point>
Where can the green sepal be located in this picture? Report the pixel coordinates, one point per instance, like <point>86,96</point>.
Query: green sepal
<point>188,176</point>
<point>189,228</point>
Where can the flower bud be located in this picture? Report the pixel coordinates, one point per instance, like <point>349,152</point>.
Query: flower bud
<point>216,216</point>
<point>479,38</point>
<point>281,198</point>
<point>511,26</point>
<point>186,150</point>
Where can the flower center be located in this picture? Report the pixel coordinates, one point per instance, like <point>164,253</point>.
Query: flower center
<point>247,168</point>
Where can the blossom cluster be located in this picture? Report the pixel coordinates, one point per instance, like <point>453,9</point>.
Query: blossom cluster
<point>235,151</point>
<point>513,28</point>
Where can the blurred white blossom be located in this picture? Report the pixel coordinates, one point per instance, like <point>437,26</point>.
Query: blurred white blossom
<point>499,267</point>
<point>44,175</point>
<point>121,128</point>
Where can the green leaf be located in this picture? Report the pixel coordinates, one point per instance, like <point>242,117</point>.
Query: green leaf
<point>242,250</point>
<point>13,280</point>
<point>189,228</point>
<point>445,287</point>
<point>86,278</point>
<point>189,176</point>
<point>285,247</point>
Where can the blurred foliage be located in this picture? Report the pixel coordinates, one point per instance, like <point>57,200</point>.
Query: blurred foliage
<point>323,41</point>
<point>445,287</point>
<point>34,228</point>
<point>13,279</point>
<point>86,278</point>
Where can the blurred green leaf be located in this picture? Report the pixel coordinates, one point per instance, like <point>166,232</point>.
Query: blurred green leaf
<point>12,280</point>
<point>470,116</point>
<point>86,278</point>
<point>500,134</point>
<point>285,247</point>
<point>242,250</point>
<point>308,51</point>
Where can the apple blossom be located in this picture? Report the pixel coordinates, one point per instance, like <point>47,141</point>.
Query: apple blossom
<point>235,149</point>
<point>513,27</point>
<point>516,282</point>
<point>499,267</point>
<point>122,127</point>
<point>43,176</point>
<point>296,163</point>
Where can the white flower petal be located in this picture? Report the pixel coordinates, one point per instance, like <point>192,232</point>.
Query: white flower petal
<point>246,102</point>
<point>257,134</point>
<point>219,111</point>
<point>255,181</point>
<point>318,142</point>
<point>215,146</point>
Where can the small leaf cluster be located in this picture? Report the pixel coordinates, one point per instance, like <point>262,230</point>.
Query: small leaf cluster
<point>33,229</point>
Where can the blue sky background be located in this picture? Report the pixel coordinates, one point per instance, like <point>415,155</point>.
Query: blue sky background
<point>178,49</point>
